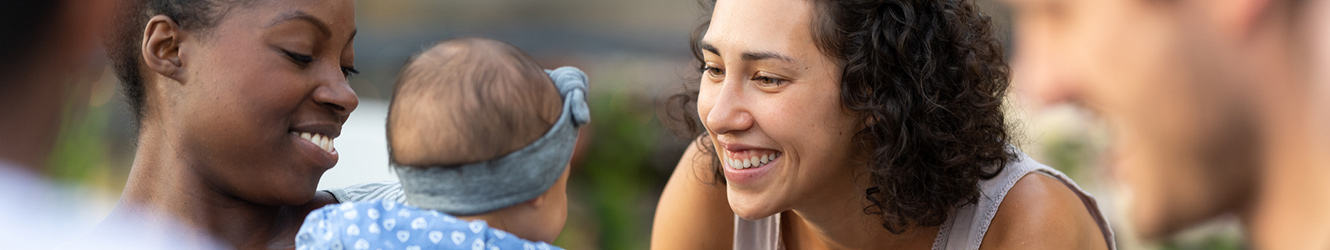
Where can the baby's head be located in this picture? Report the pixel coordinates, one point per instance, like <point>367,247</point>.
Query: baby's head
<point>467,100</point>
<point>464,118</point>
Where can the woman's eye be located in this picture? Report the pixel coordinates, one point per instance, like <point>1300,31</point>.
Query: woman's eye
<point>713,71</point>
<point>769,81</point>
<point>299,58</point>
<point>348,71</point>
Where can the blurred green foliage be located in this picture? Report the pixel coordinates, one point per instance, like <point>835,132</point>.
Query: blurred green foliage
<point>616,182</point>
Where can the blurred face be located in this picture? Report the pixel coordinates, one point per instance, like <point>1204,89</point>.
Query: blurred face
<point>770,101</point>
<point>1319,14</point>
<point>1158,75</point>
<point>263,94</point>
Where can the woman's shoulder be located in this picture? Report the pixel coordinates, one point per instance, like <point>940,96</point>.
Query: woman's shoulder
<point>1044,210</point>
<point>693,212</point>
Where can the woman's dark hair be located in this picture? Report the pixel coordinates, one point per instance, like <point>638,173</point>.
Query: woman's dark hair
<point>929,78</point>
<point>123,43</point>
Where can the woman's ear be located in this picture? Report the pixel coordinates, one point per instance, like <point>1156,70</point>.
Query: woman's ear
<point>161,47</point>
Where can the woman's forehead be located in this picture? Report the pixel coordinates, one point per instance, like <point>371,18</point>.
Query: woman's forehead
<point>336,18</point>
<point>760,27</point>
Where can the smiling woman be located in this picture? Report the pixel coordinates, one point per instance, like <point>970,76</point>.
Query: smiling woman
<point>237,104</point>
<point>859,125</point>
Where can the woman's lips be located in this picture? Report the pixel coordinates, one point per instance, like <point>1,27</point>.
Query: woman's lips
<point>318,147</point>
<point>747,166</point>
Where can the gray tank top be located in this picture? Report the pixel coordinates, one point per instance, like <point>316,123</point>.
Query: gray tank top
<point>964,229</point>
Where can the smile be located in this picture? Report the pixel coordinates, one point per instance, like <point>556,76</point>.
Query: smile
<point>747,159</point>
<point>324,142</point>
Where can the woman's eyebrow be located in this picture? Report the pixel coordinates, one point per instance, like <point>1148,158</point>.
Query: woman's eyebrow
<point>763,55</point>
<point>748,56</point>
<point>708,47</point>
<point>301,15</point>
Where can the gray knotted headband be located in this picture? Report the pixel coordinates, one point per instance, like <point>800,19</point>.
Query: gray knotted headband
<point>520,176</point>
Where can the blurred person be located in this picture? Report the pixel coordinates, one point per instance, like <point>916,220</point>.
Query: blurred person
<point>859,125</point>
<point>46,55</point>
<point>1210,105</point>
<point>237,104</point>
<point>481,139</point>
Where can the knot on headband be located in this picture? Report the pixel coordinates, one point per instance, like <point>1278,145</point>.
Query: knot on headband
<point>572,84</point>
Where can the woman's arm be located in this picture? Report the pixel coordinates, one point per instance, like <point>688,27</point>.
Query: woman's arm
<point>693,212</point>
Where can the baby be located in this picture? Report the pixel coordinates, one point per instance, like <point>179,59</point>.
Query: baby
<point>480,137</point>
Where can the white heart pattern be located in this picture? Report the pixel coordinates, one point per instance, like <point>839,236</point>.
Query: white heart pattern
<point>403,235</point>
<point>353,230</point>
<point>388,224</point>
<point>372,213</point>
<point>476,226</point>
<point>500,234</point>
<point>435,236</point>
<point>362,244</point>
<point>403,213</point>
<point>418,223</point>
<point>458,237</point>
<point>528,246</point>
<point>350,215</point>
<point>347,206</point>
<point>373,228</point>
<point>542,246</point>
<point>413,248</point>
<point>478,245</point>
<point>337,245</point>
<point>388,205</point>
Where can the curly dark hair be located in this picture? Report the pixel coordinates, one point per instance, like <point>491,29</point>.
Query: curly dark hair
<point>123,41</point>
<point>930,77</point>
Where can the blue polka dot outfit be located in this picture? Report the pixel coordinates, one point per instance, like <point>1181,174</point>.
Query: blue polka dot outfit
<point>384,225</point>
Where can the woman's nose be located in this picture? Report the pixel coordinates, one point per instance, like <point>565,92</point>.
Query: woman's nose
<point>336,95</point>
<point>730,109</point>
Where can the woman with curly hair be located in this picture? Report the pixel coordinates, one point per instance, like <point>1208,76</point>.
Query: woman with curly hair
<point>859,125</point>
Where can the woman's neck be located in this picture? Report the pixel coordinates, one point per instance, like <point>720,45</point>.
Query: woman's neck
<point>162,184</point>
<point>838,221</point>
<point>1288,211</point>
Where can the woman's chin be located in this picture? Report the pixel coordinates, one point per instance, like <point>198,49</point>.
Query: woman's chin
<point>750,208</point>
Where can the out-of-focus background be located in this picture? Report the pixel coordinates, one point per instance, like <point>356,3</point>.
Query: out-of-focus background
<point>636,53</point>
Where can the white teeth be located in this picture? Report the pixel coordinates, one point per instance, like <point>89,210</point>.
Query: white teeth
<point>320,140</point>
<point>751,162</point>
